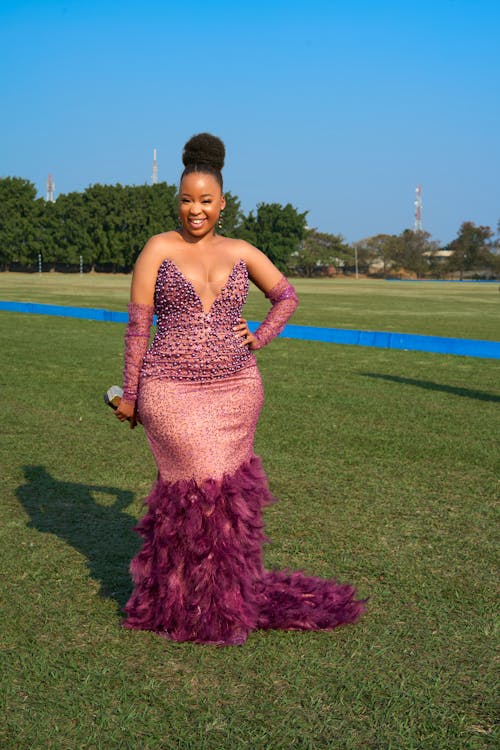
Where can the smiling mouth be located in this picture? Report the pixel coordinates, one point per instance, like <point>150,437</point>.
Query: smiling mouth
<point>196,222</point>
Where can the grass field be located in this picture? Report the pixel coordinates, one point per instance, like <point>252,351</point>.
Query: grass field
<point>386,464</point>
<point>468,310</point>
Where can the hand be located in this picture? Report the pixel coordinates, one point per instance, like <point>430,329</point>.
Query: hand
<point>127,411</point>
<point>247,338</point>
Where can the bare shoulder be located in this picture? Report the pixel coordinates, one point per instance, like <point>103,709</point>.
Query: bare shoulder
<point>241,249</point>
<point>230,248</point>
<point>154,252</point>
<point>161,244</point>
<point>157,248</point>
<point>261,269</point>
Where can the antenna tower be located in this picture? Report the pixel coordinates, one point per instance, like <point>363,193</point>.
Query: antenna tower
<point>154,176</point>
<point>51,186</point>
<point>417,226</point>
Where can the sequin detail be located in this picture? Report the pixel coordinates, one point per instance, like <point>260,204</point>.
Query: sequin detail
<point>191,344</point>
<point>140,318</point>
<point>199,430</point>
<point>284,301</point>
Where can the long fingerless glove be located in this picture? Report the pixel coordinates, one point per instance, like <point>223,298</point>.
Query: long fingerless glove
<point>284,301</point>
<point>140,318</point>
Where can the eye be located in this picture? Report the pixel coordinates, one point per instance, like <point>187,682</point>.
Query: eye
<point>206,201</point>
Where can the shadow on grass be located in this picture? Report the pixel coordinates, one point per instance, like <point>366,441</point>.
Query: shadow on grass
<point>431,386</point>
<point>91,519</point>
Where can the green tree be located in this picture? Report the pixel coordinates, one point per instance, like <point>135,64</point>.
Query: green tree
<point>378,254</point>
<point>319,251</point>
<point>472,249</point>
<point>107,225</point>
<point>495,253</point>
<point>276,230</point>
<point>107,215</point>
<point>232,216</point>
<point>19,244</point>
<point>45,221</point>
<point>68,227</point>
<point>415,250</point>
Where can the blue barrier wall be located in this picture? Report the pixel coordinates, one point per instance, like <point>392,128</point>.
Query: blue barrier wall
<point>380,339</point>
<point>447,281</point>
<point>89,313</point>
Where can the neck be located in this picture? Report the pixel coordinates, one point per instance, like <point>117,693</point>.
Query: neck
<point>205,239</point>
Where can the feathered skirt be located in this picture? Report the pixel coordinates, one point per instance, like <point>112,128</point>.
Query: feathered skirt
<point>199,575</point>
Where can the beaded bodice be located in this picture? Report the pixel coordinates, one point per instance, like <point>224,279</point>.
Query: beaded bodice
<point>191,344</point>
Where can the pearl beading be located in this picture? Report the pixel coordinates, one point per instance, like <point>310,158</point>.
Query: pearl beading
<point>191,344</point>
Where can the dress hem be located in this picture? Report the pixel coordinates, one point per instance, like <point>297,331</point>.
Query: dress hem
<point>199,576</point>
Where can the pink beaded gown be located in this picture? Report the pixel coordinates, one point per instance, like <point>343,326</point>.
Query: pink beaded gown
<point>199,575</point>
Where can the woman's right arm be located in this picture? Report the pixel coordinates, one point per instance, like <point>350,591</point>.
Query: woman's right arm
<point>140,319</point>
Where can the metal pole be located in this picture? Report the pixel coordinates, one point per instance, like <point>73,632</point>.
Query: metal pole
<point>356,259</point>
<point>39,263</point>
<point>81,264</point>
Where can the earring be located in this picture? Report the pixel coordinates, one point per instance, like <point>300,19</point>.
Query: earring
<point>221,219</point>
<point>179,223</point>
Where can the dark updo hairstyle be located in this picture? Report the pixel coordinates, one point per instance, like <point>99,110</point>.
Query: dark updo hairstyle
<point>204,153</point>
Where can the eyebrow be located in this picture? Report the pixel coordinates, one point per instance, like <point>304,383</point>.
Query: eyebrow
<point>205,195</point>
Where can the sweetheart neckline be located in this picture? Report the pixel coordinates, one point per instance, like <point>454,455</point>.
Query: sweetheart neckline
<point>188,281</point>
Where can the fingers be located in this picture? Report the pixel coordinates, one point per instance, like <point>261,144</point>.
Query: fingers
<point>128,412</point>
<point>245,336</point>
<point>241,328</point>
<point>121,416</point>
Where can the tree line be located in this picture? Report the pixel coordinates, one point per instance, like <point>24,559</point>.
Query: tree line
<point>105,227</point>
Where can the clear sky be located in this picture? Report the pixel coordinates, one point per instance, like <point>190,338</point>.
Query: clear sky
<point>338,107</point>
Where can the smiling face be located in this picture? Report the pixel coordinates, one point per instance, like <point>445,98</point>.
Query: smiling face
<point>200,204</point>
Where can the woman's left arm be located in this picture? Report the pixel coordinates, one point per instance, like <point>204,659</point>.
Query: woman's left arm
<point>277,289</point>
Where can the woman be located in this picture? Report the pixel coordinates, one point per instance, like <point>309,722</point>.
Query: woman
<point>199,576</point>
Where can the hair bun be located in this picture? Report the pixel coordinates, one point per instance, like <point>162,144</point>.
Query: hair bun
<point>204,148</point>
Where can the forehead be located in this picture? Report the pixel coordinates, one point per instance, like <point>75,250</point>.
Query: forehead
<point>198,182</point>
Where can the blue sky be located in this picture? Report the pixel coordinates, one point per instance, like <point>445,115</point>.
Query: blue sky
<point>340,108</point>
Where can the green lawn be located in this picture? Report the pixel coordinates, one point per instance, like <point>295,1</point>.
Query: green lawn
<point>386,464</point>
<point>467,310</point>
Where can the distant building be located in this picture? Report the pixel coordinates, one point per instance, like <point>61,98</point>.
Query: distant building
<point>441,256</point>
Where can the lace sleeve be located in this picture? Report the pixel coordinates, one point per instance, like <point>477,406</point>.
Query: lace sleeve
<point>284,301</point>
<point>140,319</point>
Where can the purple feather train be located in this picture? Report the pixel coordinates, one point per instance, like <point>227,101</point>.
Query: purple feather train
<point>199,576</point>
